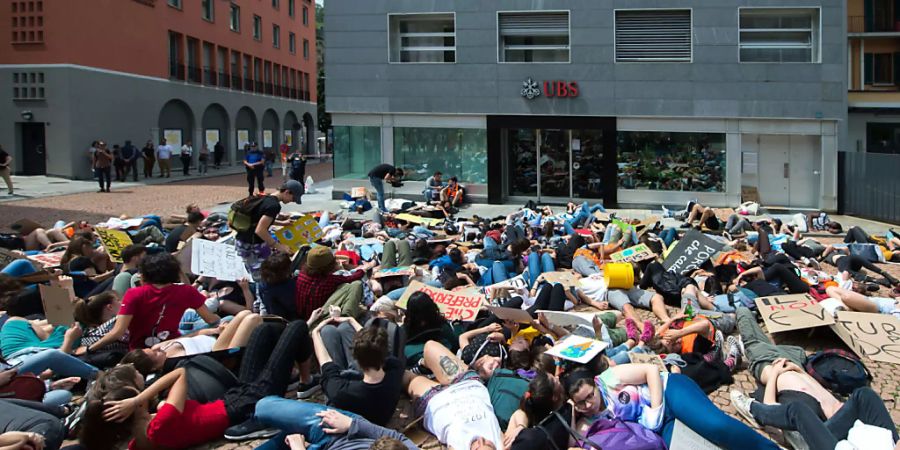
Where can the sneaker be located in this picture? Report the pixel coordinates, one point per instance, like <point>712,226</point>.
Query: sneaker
<point>666,212</point>
<point>307,390</point>
<point>720,344</point>
<point>249,429</point>
<point>631,330</point>
<point>70,422</point>
<point>735,350</point>
<point>420,368</point>
<point>649,331</point>
<point>742,404</point>
<point>685,225</point>
<point>795,440</point>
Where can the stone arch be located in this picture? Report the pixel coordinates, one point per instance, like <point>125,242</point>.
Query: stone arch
<point>292,125</point>
<point>244,121</point>
<point>215,121</point>
<point>270,123</point>
<point>176,120</point>
<point>310,128</point>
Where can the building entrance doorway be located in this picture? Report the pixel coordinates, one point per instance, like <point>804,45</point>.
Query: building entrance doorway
<point>34,151</point>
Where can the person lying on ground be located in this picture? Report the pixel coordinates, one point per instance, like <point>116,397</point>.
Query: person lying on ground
<point>187,230</point>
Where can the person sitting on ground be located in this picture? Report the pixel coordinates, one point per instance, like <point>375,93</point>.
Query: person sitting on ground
<point>152,312</point>
<point>433,187</point>
<point>278,289</point>
<point>98,314</point>
<point>452,194</point>
<point>189,229</point>
<point>375,395</point>
<point>706,217</point>
<point>131,258</point>
<point>319,287</point>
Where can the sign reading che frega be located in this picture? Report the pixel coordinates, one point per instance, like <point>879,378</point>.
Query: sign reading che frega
<point>453,305</point>
<point>792,312</point>
<point>876,336</point>
<point>690,252</point>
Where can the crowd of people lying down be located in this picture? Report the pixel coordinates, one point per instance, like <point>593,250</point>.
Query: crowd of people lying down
<point>315,348</point>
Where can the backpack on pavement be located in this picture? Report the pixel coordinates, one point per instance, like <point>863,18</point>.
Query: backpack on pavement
<point>240,216</point>
<point>838,370</point>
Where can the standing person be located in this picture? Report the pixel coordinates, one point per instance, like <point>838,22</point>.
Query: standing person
<point>203,158</point>
<point>270,160</point>
<point>6,169</point>
<point>284,149</point>
<point>102,162</point>
<point>298,166</point>
<point>187,150</point>
<point>118,163</point>
<point>218,153</point>
<point>253,162</point>
<point>148,154</point>
<point>256,244</point>
<point>130,155</point>
<point>163,154</point>
<point>91,150</point>
<point>378,175</point>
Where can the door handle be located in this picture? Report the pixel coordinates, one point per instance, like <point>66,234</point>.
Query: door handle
<point>787,170</point>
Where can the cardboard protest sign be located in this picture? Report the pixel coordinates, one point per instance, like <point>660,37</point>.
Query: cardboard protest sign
<point>636,253</point>
<point>58,306</point>
<point>648,358</point>
<point>792,312</point>
<point>393,272</point>
<point>625,227</point>
<point>48,260</point>
<point>215,260</point>
<point>453,305</point>
<point>7,256</point>
<point>568,319</point>
<point>114,241</point>
<point>514,314</point>
<point>876,336</point>
<point>601,216</point>
<point>723,213</point>
<point>684,438</point>
<point>567,279</point>
<point>419,220</point>
<point>358,192</point>
<point>515,282</point>
<point>303,231</point>
<point>577,348</point>
<point>25,226</point>
<point>690,252</point>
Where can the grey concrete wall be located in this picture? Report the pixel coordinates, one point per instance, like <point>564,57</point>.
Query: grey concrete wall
<point>714,84</point>
<point>83,104</point>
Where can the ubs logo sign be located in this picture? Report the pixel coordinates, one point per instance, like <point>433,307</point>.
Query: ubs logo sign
<point>532,90</point>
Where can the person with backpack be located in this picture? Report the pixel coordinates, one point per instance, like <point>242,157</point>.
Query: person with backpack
<point>252,217</point>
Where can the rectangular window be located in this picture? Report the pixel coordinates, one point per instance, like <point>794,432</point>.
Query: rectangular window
<point>664,161</point>
<point>653,36</point>
<point>883,137</point>
<point>882,69</point>
<point>292,42</point>
<point>193,60</point>
<point>234,21</point>
<point>779,35</point>
<point>291,8</point>
<point>422,38</point>
<point>356,151</point>
<point>174,3</point>
<point>461,152</point>
<point>276,36</point>
<point>208,9</point>
<point>305,49</point>
<point>176,69</point>
<point>305,16</point>
<point>533,37</point>
<point>257,27</point>
<point>275,4</point>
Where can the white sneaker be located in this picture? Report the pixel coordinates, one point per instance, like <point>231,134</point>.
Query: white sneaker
<point>742,404</point>
<point>795,440</point>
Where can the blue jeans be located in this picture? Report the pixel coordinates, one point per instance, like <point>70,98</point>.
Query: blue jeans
<point>293,417</point>
<point>324,221</point>
<point>668,236</point>
<point>268,168</point>
<point>619,353</point>
<point>685,401</point>
<point>62,364</point>
<point>378,184</point>
<point>538,265</point>
<point>58,397</point>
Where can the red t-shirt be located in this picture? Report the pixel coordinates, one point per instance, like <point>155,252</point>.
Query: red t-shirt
<point>199,423</point>
<point>145,304</point>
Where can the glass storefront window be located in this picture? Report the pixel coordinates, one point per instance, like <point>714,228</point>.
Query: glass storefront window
<point>666,161</point>
<point>460,152</point>
<point>356,151</point>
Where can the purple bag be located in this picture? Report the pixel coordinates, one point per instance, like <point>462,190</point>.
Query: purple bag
<point>621,435</point>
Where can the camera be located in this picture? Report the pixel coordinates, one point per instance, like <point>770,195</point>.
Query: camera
<point>397,184</point>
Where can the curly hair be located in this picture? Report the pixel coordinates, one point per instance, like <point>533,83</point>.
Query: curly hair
<point>160,268</point>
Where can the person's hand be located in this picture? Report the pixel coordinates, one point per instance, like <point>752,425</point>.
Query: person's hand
<point>25,440</point>
<point>493,328</point>
<point>671,335</point>
<point>603,306</point>
<point>118,411</point>
<point>511,325</point>
<point>244,283</point>
<point>295,441</point>
<point>496,337</point>
<point>284,249</point>
<point>316,313</point>
<point>74,331</point>
<point>7,375</point>
<point>65,384</point>
<point>334,422</point>
<point>80,351</point>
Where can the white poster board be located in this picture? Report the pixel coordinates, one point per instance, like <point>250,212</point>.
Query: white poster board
<point>267,138</point>
<point>289,138</point>
<point>577,348</point>
<point>211,138</point>
<point>221,261</point>
<point>173,138</point>
<point>243,138</point>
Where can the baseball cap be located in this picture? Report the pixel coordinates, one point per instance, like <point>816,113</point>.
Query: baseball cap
<point>295,188</point>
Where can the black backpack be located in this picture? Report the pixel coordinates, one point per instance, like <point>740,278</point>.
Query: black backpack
<point>396,336</point>
<point>838,370</point>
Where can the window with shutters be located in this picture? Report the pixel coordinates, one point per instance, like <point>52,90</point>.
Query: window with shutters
<point>653,35</point>
<point>882,69</point>
<point>526,37</point>
<point>422,38</point>
<point>779,35</point>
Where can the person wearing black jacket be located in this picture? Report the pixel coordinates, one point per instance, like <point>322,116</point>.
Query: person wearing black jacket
<point>677,290</point>
<point>218,153</point>
<point>130,157</point>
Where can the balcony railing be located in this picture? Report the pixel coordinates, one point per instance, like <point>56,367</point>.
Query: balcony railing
<point>224,81</point>
<point>857,24</point>
<point>248,84</point>
<point>176,71</point>
<point>209,77</point>
<point>194,74</point>
<point>236,82</point>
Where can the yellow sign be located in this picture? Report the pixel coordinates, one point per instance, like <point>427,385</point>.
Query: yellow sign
<point>304,230</point>
<point>427,221</point>
<point>114,241</point>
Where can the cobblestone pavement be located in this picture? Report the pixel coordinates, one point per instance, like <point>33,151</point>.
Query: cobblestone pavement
<point>160,199</point>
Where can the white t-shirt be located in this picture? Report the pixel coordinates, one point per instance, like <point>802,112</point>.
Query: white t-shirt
<point>594,287</point>
<point>186,150</point>
<point>461,413</point>
<point>164,151</point>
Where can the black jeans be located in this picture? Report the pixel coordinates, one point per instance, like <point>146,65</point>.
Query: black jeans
<point>186,164</point>
<point>864,404</point>
<point>131,166</point>
<point>857,235</point>
<point>104,175</point>
<point>855,263</point>
<point>21,415</point>
<point>549,298</point>
<point>785,274</point>
<point>217,158</point>
<point>797,251</point>
<point>257,174</point>
<point>266,366</point>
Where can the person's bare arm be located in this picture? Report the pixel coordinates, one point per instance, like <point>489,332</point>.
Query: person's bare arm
<point>117,411</point>
<point>322,354</point>
<point>468,335</point>
<point>262,231</point>
<point>207,315</point>
<point>637,374</point>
